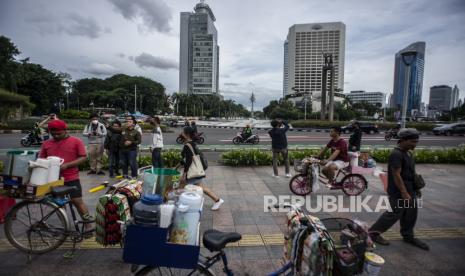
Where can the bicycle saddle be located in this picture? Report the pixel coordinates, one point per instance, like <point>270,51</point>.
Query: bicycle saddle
<point>62,190</point>
<point>215,240</point>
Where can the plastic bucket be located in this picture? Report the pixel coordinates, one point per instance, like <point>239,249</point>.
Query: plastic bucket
<point>159,181</point>
<point>18,162</point>
<point>373,263</point>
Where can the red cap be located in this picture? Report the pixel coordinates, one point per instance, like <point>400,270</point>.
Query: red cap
<point>57,124</point>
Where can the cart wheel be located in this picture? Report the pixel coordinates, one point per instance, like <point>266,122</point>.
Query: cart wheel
<point>151,270</point>
<point>299,184</point>
<point>353,184</point>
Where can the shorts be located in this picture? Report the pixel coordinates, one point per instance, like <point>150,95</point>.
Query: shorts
<point>196,181</point>
<point>339,164</point>
<point>76,193</point>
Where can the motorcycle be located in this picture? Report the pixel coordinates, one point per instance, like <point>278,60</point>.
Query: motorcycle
<point>32,139</point>
<point>197,138</point>
<point>391,134</point>
<point>238,139</point>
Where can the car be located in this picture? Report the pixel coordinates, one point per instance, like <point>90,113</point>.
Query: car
<point>450,129</point>
<point>366,127</point>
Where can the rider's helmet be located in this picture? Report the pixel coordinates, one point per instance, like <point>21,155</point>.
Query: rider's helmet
<point>247,126</point>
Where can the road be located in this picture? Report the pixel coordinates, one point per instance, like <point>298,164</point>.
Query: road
<point>223,136</point>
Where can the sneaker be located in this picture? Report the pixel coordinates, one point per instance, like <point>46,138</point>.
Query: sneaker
<point>275,176</point>
<point>416,242</point>
<point>91,172</point>
<point>101,173</point>
<point>288,175</point>
<point>379,239</point>
<point>217,204</point>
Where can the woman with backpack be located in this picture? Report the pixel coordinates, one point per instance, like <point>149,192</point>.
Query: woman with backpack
<point>195,166</point>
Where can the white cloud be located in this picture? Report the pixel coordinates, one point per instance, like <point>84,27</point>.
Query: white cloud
<point>154,14</point>
<point>101,69</point>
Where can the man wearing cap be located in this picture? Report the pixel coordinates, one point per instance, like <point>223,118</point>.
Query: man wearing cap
<point>73,152</point>
<point>401,192</point>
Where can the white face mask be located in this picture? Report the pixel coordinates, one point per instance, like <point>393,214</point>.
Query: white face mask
<point>95,122</point>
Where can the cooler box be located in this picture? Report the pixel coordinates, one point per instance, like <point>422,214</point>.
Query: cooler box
<point>145,245</point>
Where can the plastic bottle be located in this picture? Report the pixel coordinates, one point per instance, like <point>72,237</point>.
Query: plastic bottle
<point>147,210</point>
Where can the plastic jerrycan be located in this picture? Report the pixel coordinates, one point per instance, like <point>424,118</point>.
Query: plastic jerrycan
<point>54,168</point>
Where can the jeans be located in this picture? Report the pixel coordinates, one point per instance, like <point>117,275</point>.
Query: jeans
<point>157,160</point>
<point>95,157</point>
<point>405,211</point>
<point>129,158</point>
<point>113,162</point>
<point>285,155</point>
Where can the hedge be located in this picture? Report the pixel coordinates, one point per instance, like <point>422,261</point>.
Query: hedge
<point>381,125</point>
<point>251,157</point>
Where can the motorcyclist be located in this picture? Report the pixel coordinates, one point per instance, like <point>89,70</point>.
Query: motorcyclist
<point>246,132</point>
<point>42,126</point>
<point>194,127</point>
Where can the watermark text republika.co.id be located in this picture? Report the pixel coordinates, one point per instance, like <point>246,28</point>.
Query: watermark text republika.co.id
<point>336,203</point>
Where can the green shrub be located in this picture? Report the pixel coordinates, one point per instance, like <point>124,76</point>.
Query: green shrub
<point>253,157</point>
<point>74,114</point>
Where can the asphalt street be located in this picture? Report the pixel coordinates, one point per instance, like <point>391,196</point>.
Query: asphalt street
<point>223,136</point>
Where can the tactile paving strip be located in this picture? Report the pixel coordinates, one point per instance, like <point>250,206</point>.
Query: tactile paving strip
<point>278,239</point>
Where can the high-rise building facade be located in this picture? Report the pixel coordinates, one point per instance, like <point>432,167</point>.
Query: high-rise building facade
<point>286,66</point>
<point>455,97</point>
<point>303,56</point>
<point>415,85</point>
<point>374,98</point>
<point>199,52</point>
<point>441,98</point>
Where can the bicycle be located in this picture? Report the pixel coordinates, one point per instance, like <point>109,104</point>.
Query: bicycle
<point>352,184</point>
<point>39,226</point>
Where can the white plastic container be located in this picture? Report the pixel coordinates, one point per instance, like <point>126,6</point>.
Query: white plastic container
<point>373,263</point>
<point>54,168</point>
<point>353,158</point>
<point>193,200</point>
<point>166,214</point>
<point>185,228</point>
<point>194,188</point>
<point>40,168</point>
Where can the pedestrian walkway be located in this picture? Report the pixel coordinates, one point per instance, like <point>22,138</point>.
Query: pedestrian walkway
<point>441,224</point>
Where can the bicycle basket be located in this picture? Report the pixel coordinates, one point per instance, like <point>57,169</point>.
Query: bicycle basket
<point>349,240</point>
<point>298,166</point>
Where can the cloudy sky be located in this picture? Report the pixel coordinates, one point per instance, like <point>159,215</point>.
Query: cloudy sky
<point>98,38</point>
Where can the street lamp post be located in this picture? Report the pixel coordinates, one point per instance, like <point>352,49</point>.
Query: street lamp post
<point>407,59</point>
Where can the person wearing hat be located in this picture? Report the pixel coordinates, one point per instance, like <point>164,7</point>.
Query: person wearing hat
<point>401,192</point>
<point>96,133</point>
<point>73,152</point>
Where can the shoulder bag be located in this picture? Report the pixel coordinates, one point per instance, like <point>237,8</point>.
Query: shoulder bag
<point>196,168</point>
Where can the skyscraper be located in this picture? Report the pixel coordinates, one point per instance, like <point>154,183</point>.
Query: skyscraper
<point>199,52</point>
<point>303,56</point>
<point>440,98</point>
<point>415,85</point>
<point>455,97</point>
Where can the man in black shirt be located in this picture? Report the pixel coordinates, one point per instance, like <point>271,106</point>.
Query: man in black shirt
<point>402,196</point>
<point>279,145</point>
<point>355,139</point>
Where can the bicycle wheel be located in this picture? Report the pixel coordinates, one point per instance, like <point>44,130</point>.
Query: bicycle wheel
<point>353,184</point>
<point>152,270</point>
<point>299,185</point>
<point>36,227</point>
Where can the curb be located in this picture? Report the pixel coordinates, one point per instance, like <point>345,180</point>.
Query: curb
<point>294,129</point>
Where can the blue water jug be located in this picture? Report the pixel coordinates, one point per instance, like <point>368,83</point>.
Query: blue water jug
<point>147,210</point>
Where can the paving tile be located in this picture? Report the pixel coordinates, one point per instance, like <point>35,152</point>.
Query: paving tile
<point>247,229</point>
<point>242,218</point>
<point>254,253</point>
